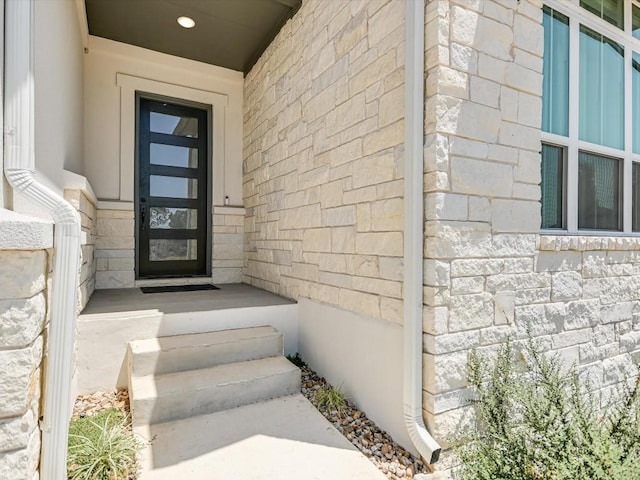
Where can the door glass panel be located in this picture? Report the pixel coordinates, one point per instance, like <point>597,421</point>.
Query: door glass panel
<point>173,187</point>
<point>169,218</point>
<point>161,250</point>
<point>598,192</point>
<point>174,156</point>
<point>174,125</point>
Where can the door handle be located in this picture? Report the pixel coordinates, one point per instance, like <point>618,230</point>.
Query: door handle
<point>143,212</point>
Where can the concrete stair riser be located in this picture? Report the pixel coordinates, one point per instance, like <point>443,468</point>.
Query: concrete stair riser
<point>203,350</point>
<point>162,398</point>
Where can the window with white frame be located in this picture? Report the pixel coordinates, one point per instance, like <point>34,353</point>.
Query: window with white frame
<point>591,116</point>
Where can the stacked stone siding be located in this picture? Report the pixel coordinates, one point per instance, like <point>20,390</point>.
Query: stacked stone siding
<point>488,271</point>
<point>23,307</point>
<point>228,245</point>
<point>115,254</point>
<point>88,219</point>
<point>323,178</point>
<point>115,247</point>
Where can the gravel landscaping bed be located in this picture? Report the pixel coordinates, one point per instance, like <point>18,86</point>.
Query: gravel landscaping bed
<point>393,460</point>
<point>87,405</point>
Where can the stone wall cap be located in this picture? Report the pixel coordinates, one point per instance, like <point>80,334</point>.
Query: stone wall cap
<point>226,210</point>
<point>115,205</point>
<point>583,243</point>
<point>23,232</point>
<point>73,181</point>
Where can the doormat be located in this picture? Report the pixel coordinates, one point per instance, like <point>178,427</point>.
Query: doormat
<point>178,288</point>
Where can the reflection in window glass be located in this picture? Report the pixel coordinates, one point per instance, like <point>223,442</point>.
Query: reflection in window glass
<point>173,187</point>
<point>635,223</point>
<point>174,125</point>
<point>635,22</point>
<point>610,10</point>
<point>601,90</point>
<point>555,87</point>
<point>169,218</point>
<point>598,192</point>
<point>173,156</point>
<point>552,186</point>
<point>161,250</point>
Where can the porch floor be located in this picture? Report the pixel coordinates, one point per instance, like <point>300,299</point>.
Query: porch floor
<point>235,295</point>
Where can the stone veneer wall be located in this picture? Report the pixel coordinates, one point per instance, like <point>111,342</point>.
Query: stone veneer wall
<point>88,220</point>
<point>23,314</point>
<point>488,270</point>
<point>115,245</point>
<point>323,158</point>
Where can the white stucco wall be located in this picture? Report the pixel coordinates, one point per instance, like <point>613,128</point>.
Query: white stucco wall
<point>362,354</point>
<point>102,95</point>
<point>59,131</point>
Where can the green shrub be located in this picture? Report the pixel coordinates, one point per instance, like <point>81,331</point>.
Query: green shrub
<point>331,398</point>
<point>536,421</point>
<point>101,447</point>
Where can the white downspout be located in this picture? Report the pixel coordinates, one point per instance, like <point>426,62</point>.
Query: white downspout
<point>19,168</point>
<point>414,231</point>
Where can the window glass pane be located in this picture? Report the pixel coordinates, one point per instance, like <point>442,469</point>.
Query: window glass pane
<point>611,10</point>
<point>636,198</point>
<point>552,186</point>
<point>635,102</point>
<point>173,218</point>
<point>174,125</point>
<point>598,192</point>
<point>555,87</point>
<point>173,156</point>
<point>635,21</point>
<point>601,90</point>
<point>163,250</point>
<point>173,187</point>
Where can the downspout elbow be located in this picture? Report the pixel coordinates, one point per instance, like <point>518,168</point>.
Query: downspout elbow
<point>62,212</point>
<point>427,446</point>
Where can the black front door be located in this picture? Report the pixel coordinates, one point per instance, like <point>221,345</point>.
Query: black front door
<point>172,194</point>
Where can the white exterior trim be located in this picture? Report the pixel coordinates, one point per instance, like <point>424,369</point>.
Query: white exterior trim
<point>129,85</point>
<point>81,8</point>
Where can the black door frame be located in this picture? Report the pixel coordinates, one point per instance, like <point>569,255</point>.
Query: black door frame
<point>209,181</point>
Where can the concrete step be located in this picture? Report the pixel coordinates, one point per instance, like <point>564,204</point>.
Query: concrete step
<point>173,396</point>
<point>181,353</point>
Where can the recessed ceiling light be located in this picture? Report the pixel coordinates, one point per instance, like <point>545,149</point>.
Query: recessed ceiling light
<point>186,22</point>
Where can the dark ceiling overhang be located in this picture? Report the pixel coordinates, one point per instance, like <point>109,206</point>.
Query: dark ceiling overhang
<point>228,33</point>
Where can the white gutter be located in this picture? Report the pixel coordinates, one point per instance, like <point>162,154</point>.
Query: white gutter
<point>19,168</point>
<point>414,231</point>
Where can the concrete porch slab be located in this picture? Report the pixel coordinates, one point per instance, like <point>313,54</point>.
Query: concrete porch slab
<point>284,438</point>
<point>231,295</point>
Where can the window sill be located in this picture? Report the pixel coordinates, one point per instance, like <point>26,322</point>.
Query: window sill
<point>560,241</point>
